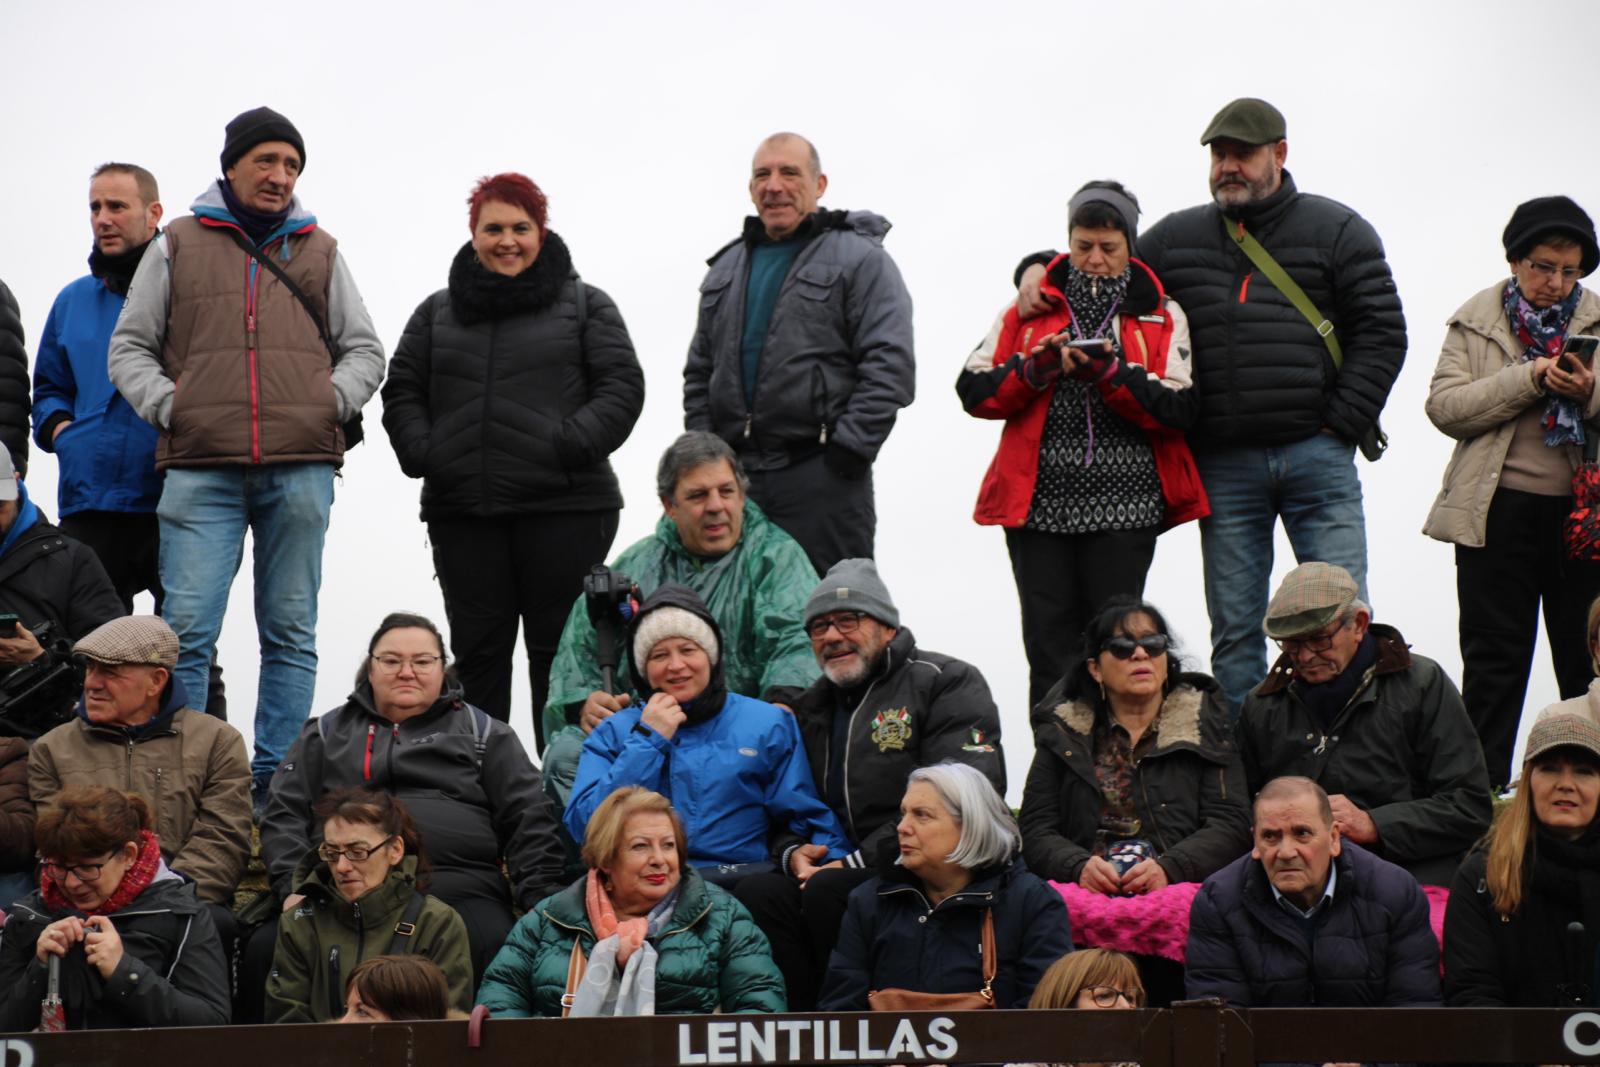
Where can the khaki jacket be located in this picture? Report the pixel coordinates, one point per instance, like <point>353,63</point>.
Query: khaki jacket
<point>1480,387</point>
<point>191,767</point>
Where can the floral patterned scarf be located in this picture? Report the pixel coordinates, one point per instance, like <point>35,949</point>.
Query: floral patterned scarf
<point>1542,332</point>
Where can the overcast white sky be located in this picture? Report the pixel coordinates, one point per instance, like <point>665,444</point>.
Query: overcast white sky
<point>967,125</point>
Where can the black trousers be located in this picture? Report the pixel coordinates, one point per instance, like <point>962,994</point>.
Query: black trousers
<point>802,924</point>
<point>1500,589</point>
<point>833,517</point>
<point>1062,580</point>
<point>498,572</point>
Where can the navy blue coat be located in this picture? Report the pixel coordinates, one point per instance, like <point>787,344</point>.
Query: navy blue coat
<point>893,939</point>
<point>1373,947</point>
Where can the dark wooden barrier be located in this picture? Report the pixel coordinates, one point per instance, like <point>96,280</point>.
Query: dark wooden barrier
<point>1202,1035</point>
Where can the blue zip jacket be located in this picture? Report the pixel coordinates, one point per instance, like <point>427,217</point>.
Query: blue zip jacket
<point>732,778</point>
<point>107,457</point>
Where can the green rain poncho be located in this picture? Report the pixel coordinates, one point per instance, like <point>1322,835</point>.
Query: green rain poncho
<point>758,594</point>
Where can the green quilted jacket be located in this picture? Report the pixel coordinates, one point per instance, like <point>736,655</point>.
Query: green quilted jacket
<point>712,957</point>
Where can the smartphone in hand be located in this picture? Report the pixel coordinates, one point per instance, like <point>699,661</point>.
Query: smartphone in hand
<point>1581,348</point>
<point>8,625</point>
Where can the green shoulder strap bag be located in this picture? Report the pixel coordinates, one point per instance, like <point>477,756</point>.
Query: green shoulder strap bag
<point>1374,441</point>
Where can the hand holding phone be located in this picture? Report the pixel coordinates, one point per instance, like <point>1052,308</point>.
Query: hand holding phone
<point>8,624</point>
<point>1580,348</point>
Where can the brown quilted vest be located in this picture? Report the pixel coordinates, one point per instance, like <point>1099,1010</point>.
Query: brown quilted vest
<point>247,396</point>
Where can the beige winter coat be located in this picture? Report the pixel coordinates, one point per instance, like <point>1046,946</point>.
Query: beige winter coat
<point>1479,388</point>
<point>193,770</point>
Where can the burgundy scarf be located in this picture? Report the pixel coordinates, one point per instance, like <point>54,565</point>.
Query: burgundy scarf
<point>135,880</point>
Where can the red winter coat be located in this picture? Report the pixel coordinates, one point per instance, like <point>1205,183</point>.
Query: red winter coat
<point>1152,388</point>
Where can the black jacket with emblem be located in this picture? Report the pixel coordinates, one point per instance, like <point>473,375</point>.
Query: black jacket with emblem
<point>1189,788</point>
<point>949,715</point>
<point>505,400</point>
<point>1403,750</point>
<point>837,365</point>
<point>473,808</point>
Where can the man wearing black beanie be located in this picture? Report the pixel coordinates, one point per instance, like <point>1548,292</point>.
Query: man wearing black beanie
<point>273,371</point>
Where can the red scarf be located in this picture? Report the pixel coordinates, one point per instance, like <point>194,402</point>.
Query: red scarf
<point>140,873</point>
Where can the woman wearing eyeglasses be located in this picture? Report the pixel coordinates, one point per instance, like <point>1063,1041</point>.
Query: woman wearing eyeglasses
<point>1090,979</point>
<point>465,777</point>
<point>135,946</point>
<point>1522,413</point>
<point>361,895</point>
<point>1135,782</point>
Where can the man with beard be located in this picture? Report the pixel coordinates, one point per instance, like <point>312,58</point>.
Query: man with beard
<point>108,488</point>
<point>802,355</point>
<point>1280,414</point>
<point>882,708</point>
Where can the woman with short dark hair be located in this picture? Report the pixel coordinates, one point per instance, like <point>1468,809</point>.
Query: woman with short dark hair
<point>508,391</point>
<point>1096,399</point>
<point>134,946</point>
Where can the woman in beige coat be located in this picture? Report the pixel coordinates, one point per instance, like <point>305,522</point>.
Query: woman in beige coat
<point>1521,413</point>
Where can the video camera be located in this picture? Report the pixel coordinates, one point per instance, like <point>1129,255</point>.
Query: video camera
<point>611,600</point>
<point>37,697</point>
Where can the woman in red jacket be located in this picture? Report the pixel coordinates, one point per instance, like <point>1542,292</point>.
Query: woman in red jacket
<point>1092,463</point>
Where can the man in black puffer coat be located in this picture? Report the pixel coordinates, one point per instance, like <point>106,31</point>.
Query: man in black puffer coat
<point>1279,422</point>
<point>1307,920</point>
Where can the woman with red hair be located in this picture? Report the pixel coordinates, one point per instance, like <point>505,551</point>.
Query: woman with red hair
<point>509,390</point>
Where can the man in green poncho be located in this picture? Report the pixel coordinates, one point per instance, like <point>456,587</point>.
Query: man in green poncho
<point>754,577</point>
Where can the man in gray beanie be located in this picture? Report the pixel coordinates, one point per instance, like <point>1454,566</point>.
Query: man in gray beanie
<point>882,708</point>
<point>275,369</point>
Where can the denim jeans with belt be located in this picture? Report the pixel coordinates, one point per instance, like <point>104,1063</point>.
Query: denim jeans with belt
<point>204,513</point>
<point>1313,486</point>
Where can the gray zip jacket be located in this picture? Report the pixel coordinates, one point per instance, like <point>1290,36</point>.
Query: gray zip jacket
<point>838,363</point>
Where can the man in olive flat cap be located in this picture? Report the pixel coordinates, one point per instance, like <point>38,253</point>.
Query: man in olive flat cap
<point>1281,413</point>
<point>274,366</point>
<point>1383,731</point>
<point>134,732</point>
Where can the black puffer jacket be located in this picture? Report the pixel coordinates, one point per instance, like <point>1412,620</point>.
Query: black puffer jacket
<point>1403,750</point>
<point>171,974</point>
<point>1263,375</point>
<point>500,407</point>
<point>1373,946</point>
<point>1528,960</point>
<point>471,815</point>
<point>16,397</point>
<point>837,365</point>
<point>1190,791</point>
<point>918,709</point>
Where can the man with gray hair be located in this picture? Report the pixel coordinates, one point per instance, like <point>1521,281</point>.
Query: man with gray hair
<point>882,708</point>
<point>752,576</point>
<point>802,355</point>
<point>1382,730</point>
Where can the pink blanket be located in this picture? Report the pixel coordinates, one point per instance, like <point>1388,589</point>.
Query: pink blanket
<point>1157,924</point>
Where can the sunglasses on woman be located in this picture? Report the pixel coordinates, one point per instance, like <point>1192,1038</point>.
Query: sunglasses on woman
<point>1122,646</point>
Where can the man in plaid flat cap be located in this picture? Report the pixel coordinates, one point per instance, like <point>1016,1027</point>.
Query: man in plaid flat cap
<point>134,731</point>
<point>1383,731</point>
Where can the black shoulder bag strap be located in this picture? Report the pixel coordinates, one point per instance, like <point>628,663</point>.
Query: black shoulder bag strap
<point>406,928</point>
<point>353,431</point>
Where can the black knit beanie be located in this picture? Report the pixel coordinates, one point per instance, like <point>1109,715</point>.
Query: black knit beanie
<point>1539,218</point>
<point>252,128</point>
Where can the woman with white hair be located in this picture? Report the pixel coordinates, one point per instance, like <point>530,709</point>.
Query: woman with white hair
<point>957,894</point>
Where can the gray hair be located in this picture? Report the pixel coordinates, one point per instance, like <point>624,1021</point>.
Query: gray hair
<point>695,449</point>
<point>988,830</point>
<point>811,149</point>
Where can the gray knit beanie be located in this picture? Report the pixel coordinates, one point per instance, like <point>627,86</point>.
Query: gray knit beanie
<point>853,585</point>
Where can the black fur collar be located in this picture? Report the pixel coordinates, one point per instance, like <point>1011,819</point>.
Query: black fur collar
<point>478,294</point>
<point>755,233</point>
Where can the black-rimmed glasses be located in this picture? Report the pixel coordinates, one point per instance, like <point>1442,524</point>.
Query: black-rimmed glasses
<point>354,853</point>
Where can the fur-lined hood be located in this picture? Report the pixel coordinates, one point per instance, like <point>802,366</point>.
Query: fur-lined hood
<point>1193,717</point>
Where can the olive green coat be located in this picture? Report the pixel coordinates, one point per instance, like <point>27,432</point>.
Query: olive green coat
<point>712,957</point>
<point>321,940</point>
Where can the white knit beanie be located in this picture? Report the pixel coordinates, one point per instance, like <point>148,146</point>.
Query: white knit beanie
<point>669,621</point>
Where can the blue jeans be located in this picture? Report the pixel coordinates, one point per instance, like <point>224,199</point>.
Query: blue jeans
<point>1313,486</point>
<point>204,513</point>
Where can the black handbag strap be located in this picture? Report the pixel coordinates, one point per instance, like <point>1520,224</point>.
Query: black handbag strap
<point>278,272</point>
<point>406,928</point>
